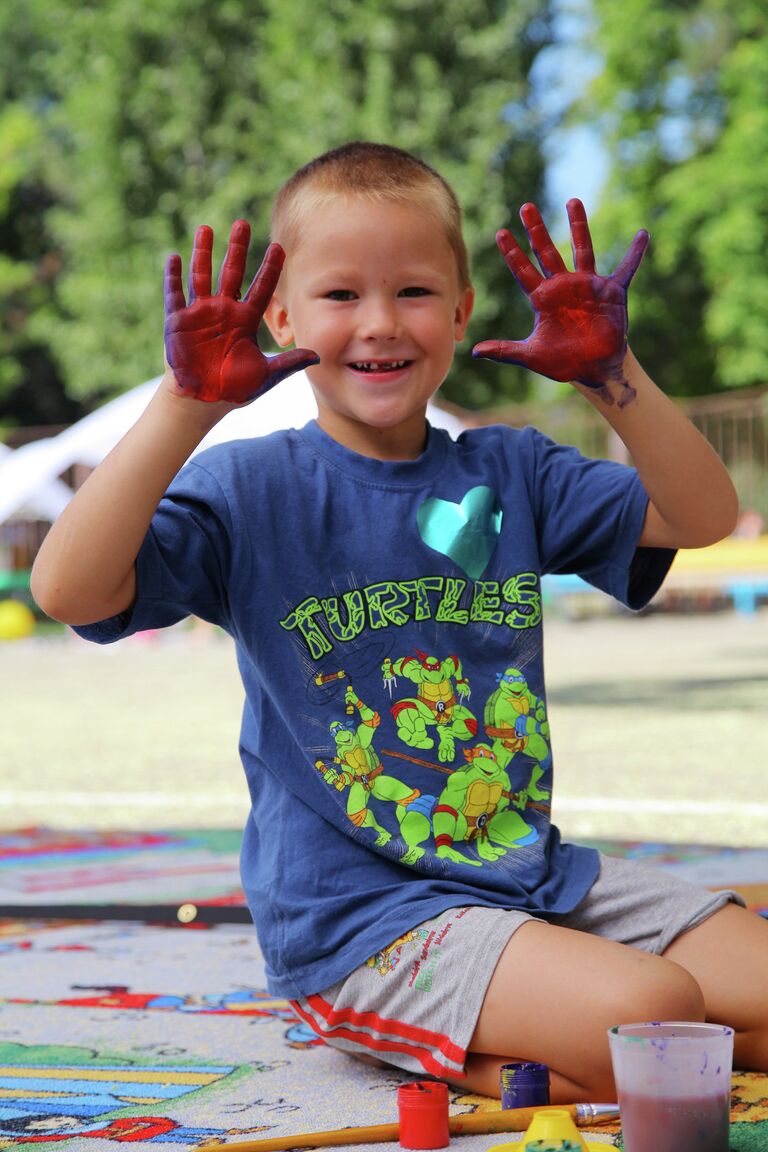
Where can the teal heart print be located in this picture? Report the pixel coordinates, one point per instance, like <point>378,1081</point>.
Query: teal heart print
<point>467,533</point>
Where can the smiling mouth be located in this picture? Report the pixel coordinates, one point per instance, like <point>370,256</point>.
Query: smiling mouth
<point>379,365</point>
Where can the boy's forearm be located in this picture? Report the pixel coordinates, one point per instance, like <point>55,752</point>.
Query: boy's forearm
<point>692,499</point>
<point>85,570</point>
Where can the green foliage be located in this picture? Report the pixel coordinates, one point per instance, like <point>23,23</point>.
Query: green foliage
<point>27,265</point>
<point>151,116</point>
<point>682,102</point>
<point>19,137</point>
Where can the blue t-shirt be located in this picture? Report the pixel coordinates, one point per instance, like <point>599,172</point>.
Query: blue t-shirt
<point>387,622</point>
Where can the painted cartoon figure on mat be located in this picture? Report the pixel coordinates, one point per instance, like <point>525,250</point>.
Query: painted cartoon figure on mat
<point>516,721</point>
<point>435,705</point>
<point>361,770</point>
<point>53,1093</point>
<point>474,807</point>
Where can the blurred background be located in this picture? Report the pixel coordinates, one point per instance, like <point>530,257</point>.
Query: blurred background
<point>126,123</point>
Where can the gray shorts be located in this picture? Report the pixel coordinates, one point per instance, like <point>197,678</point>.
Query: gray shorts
<point>415,1003</point>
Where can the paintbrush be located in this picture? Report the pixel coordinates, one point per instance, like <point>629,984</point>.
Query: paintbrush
<point>470,1123</point>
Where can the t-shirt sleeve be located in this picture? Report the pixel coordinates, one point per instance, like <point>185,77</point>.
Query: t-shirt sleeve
<point>184,562</point>
<point>589,517</point>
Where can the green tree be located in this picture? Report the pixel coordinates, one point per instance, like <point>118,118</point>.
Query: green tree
<point>152,116</point>
<point>455,91</point>
<point>29,261</point>
<point>681,100</point>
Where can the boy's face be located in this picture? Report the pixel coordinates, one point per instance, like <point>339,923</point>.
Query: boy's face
<point>373,289</point>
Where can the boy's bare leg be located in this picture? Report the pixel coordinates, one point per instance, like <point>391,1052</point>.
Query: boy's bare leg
<point>728,957</point>
<point>554,995</point>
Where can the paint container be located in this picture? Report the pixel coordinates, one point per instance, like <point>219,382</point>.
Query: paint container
<point>524,1085</point>
<point>673,1080</point>
<point>423,1111</point>
<point>554,1128</point>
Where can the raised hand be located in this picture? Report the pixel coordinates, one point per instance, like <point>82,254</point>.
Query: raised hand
<point>580,327</point>
<point>210,342</point>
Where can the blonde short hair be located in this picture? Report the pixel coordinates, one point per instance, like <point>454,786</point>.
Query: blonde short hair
<point>376,172</point>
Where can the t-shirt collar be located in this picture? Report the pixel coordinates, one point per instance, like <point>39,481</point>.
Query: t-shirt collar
<point>387,472</point>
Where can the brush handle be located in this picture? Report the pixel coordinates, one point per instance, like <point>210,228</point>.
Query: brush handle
<point>499,1120</point>
<point>373,1134</point>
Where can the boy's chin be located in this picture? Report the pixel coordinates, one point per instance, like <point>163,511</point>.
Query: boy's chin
<point>401,435</point>
<point>374,411</point>
<point>387,419</point>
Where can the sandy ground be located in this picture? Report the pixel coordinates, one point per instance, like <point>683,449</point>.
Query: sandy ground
<point>659,722</point>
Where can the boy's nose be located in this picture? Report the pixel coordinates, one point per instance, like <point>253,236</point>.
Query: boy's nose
<point>379,320</point>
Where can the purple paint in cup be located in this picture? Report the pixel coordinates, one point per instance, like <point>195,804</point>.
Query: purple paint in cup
<point>674,1085</point>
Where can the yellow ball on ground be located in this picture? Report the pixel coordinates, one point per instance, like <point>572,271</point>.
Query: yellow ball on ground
<point>16,620</point>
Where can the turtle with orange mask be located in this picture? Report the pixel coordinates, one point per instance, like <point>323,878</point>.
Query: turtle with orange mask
<point>475,808</point>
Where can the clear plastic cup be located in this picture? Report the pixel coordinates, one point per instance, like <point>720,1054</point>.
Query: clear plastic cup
<point>673,1081</point>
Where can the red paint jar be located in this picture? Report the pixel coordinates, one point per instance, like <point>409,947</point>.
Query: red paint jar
<point>423,1111</point>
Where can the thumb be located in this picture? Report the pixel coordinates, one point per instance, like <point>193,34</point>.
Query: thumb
<point>286,363</point>
<point>631,262</point>
<point>503,351</point>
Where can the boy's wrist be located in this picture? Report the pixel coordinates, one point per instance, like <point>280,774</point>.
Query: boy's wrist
<point>618,392</point>
<point>195,416</point>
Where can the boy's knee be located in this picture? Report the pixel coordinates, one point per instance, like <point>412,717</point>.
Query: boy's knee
<point>666,991</point>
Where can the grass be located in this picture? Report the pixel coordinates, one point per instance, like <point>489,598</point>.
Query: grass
<point>659,729</point>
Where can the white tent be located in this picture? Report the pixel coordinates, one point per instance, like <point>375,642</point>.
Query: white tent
<point>47,499</point>
<point>29,484</point>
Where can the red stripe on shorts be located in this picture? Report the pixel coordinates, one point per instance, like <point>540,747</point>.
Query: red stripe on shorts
<point>372,1020</point>
<point>365,1040</point>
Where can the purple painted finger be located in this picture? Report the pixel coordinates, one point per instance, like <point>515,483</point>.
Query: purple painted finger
<point>518,263</point>
<point>265,281</point>
<point>502,351</point>
<point>581,240</point>
<point>200,264</point>
<point>233,267</point>
<point>173,292</point>
<point>550,260</point>
<point>631,262</point>
<point>286,363</point>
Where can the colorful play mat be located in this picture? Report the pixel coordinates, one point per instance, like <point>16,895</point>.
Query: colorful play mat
<point>155,1031</point>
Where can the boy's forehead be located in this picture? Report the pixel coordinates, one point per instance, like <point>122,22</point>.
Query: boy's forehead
<point>320,231</point>
<point>334,224</point>
<point>347,209</point>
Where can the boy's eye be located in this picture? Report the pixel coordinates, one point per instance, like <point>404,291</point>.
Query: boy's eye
<point>414,292</point>
<point>340,294</point>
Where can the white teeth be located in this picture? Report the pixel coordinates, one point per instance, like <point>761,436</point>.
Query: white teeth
<point>378,365</point>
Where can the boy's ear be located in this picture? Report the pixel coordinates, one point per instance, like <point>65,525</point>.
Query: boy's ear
<point>463,312</point>
<point>277,320</point>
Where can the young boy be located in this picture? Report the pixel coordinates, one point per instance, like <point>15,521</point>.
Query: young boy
<point>382,586</point>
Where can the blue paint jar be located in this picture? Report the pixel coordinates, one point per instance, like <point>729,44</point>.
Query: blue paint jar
<point>524,1085</point>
